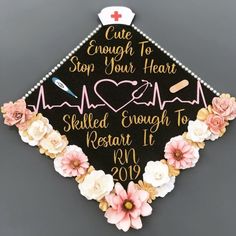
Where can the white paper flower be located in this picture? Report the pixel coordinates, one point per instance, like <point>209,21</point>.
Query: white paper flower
<point>198,131</point>
<point>96,185</point>
<point>156,173</point>
<point>166,188</point>
<point>213,137</point>
<point>53,144</point>
<point>36,130</point>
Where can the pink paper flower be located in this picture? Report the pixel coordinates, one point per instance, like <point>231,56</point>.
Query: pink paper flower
<point>225,105</point>
<point>127,207</point>
<point>216,124</point>
<point>16,114</point>
<point>180,154</point>
<point>72,163</point>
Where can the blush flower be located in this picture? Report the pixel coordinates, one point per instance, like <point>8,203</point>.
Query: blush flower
<point>96,185</point>
<point>127,207</point>
<point>216,124</point>
<point>180,154</point>
<point>37,128</point>
<point>53,144</point>
<point>225,106</point>
<point>72,163</point>
<point>16,114</point>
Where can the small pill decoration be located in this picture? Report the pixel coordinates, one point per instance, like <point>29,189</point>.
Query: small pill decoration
<point>179,86</point>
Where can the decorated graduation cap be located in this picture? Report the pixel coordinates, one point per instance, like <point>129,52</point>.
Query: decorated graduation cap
<point>121,116</point>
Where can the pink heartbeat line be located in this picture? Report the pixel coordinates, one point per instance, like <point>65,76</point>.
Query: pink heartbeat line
<point>157,96</point>
<point>85,100</point>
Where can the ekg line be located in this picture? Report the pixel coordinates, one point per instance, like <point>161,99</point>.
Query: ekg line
<point>85,102</point>
<point>162,104</point>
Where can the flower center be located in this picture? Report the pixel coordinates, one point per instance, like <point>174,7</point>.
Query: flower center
<point>224,105</point>
<point>216,122</point>
<point>128,205</point>
<point>97,186</point>
<point>198,132</point>
<point>54,142</point>
<point>158,176</point>
<point>75,164</point>
<point>17,115</point>
<point>178,155</point>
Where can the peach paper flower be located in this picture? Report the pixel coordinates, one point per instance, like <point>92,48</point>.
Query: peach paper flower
<point>216,124</point>
<point>225,105</point>
<point>127,207</point>
<point>180,154</point>
<point>37,128</point>
<point>16,114</point>
<point>53,144</point>
<point>72,163</point>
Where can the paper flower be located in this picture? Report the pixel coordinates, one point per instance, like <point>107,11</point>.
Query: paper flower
<point>127,207</point>
<point>199,145</point>
<point>156,173</point>
<point>213,137</point>
<point>80,179</point>
<point>16,114</point>
<point>180,154</point>
<point>203,113</point>
<point>96,185</point>
<point>103,204</point>
<point>166,188</point>
<point>37,128</point>
<point>53,144</point>
<point>197,131</point>
<point>216,124</point>
<point>152,191</point>
<point>225,106</point>
<point>72,163</point>
<point>172,170</point>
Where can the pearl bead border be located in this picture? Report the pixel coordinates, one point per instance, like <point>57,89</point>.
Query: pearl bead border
<point>139,31</point>
<point>62,62</point>
<point>176,61</point>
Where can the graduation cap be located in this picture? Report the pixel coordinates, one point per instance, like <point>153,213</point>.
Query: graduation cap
<point>122,116</point>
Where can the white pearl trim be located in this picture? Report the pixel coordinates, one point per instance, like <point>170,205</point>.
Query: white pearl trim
<point>61,62</point>
<point>90,35</point>
<point>176,60</point>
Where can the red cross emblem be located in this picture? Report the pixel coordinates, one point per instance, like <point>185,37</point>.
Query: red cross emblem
<point>116,16</point>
